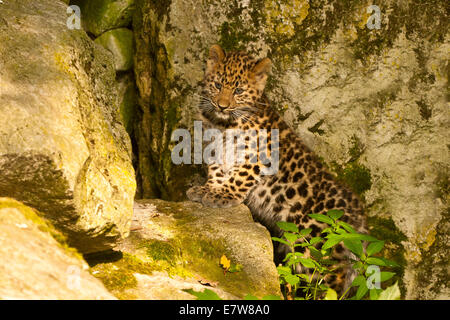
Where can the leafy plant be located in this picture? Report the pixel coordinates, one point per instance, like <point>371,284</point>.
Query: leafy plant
<point>319,262</point>
<point>311,285</point>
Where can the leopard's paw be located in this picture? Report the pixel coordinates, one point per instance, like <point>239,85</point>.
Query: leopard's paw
<point>196,193</point>
<point>215,200</point>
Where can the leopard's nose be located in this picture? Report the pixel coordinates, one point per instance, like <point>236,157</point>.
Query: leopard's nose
<point>222,107</point>
<point>223,103</point>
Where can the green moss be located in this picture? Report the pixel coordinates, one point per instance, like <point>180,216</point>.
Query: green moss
<point>385,229</point>
<point>127,108</point>
<point>354,175</point>
<point>232,35</point>
<point>160,250</point>
<point>228,39</point>
<point>357,148</point>
<point>118,276</point>
<point>429,21</point>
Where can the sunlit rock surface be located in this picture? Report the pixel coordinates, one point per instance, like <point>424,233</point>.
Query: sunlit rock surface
<point>371,102</point>
<point>35,262</point>
<point>63,149</point>
<point>179,245</point>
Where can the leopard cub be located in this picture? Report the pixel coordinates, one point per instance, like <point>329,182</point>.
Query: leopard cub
<point>232,98</point>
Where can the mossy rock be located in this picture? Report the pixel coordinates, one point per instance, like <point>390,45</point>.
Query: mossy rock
<point>71,157</point>
<point>120,43</point>
<point>181,244</point>
<point>36,263</point>
<point>102,15</point>
<point>127,101</point>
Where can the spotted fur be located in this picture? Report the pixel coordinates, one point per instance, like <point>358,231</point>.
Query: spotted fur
<point>232,98</point>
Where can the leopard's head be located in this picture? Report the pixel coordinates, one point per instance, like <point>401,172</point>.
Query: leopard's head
<point>233,85</point>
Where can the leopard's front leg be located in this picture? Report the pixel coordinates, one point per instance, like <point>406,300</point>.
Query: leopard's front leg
<point>226,190</point>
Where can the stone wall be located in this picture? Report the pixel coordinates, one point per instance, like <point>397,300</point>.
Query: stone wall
<point>63,148</point>
<point>371,102</point>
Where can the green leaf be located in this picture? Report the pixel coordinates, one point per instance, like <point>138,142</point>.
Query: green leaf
<point>250,297</point>
<point>292,279</point>
<point>390,293</point>
<point>287,226</point>
<point>331,295</point>
<point>362,290</point>
<point>358,236</point>
<point>331,242</point>
<point>303,276</point>
<point>280,240</point>
<point>291,237</point>
<point>354,246</point>
<point>327,230</point>
<point>321,218</point>
<point>340,231</point>
<point>205,295</point>
<point>346,226</point>
<point>335,214</point>
<point>328,262</point>
<point>374,294</point>
<point>358,281</point>
<point>357,265</point>
<point>389,263</point>
<point>351,236</point>
<point>315,240</point>
<point>384,276</point>
<point>315,253</point>
<point>376,261</point>
<point>282,270</point>
<point>308,263</point>
<point>374,247</point>
<point>305,232</point>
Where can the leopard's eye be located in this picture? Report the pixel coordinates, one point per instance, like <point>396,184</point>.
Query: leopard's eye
<point>238,91</point>
<point>218,85</point>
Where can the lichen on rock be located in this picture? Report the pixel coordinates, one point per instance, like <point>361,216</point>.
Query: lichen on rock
<point>176,246</point>
<point>63,149</point>
<point>333,79</point>
<point>36,263</point>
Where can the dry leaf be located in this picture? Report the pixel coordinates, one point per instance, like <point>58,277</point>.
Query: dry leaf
<point>225,263</point>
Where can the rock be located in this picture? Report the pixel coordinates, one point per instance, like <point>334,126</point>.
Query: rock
<point>165,104</point>
<point>34,265</point>
<point>178,245</point>
<point>63,149</point>
<point>120,43</point>
<point>103,15</point>
<point>371,102</point>
<point>127,100</point>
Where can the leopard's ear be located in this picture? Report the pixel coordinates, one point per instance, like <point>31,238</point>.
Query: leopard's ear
<point>260,71</point>
<point>262,67</point>
<point>216,55</point>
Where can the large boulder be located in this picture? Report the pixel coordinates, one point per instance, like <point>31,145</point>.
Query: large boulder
<point>371,102</point>
<point>36,263</point>
<point>102,15</point>
<point>63,148</point>
<point>176,246</point>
